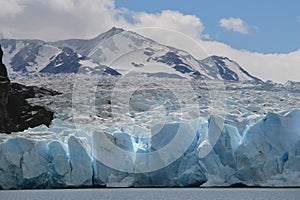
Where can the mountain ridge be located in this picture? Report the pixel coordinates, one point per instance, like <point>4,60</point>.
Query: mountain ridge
<point>86,55</point>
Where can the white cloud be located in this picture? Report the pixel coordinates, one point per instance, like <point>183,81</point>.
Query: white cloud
<point>75,5</point>
<point>234,24</point>
<point>276,67</point>
<point>10,8</point>
<point>205,36</point>
<point>165,27</point>
<point>188,24</point>
<point>56,19</point>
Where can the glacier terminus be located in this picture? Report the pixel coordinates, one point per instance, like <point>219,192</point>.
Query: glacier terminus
<point>132,112</point>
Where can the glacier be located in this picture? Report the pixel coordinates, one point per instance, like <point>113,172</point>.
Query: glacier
<point>164,120</point>
<point>62,156</point>
<point>217,135</point>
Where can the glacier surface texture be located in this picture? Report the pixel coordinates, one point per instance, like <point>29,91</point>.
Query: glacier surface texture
<point>255,142</point>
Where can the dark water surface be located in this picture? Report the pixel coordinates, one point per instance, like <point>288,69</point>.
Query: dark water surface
<point>153,193</point>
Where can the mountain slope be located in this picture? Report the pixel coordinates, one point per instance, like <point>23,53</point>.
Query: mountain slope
<point>108,46</point>
<point>124,52</point>
<point>127,51</point>
<point>32,56</point>
<point>229,69</point>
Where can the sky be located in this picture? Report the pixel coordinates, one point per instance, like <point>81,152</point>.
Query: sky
<point>262,36</point>
<point>265,26</point>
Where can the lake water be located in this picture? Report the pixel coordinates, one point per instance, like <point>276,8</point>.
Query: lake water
<point>153,193</point>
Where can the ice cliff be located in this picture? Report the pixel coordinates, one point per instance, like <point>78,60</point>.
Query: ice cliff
<point>267,154</point>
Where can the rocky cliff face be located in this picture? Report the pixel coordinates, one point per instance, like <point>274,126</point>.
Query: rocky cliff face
<point>5,121</point>
<point>16,114</point>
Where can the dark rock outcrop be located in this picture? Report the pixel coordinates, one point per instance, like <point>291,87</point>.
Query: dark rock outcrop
<point>32,91</point>
<point>5,122</point>
<point>16,114</point>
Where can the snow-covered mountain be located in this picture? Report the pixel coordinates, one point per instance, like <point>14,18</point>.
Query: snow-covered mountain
<point>228,69</point>
<point>123,51</point>
<point>31,56</point>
